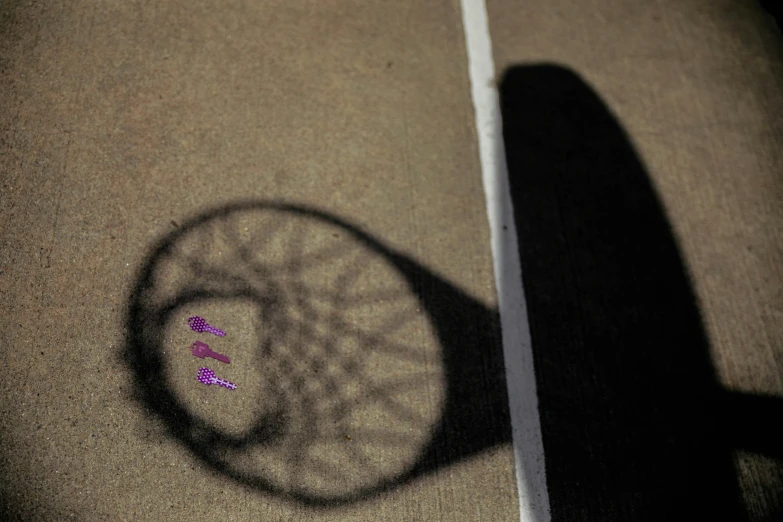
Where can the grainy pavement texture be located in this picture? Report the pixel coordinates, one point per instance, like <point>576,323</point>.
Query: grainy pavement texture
<point>305,176</point>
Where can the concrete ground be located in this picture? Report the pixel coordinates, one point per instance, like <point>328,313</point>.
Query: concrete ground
<point>306,176</point>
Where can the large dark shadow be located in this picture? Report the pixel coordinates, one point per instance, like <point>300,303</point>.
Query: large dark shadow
<point>775,9</point>
<point>474,413</point>
<point>635,426</point>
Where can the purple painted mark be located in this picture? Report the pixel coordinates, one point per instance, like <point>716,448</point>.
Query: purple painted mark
<point>198,324</point>
<point>202,350</point>
<point>207,376</point>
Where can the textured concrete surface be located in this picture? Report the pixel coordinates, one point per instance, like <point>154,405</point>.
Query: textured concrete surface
<point>122,124</point>
<point>121,121</point>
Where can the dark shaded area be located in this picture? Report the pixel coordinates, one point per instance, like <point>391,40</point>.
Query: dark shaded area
<point>635,426</point>
<point>32,507</point>
<point>775,9</point>
<point>20,498</point>
<point>475,414</point>
<point>20,501</point>
<point>753,423</point>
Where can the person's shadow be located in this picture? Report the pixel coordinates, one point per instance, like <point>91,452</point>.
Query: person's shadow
<point>634,423</point>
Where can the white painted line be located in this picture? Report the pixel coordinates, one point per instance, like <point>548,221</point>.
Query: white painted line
<point>517,351</point>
